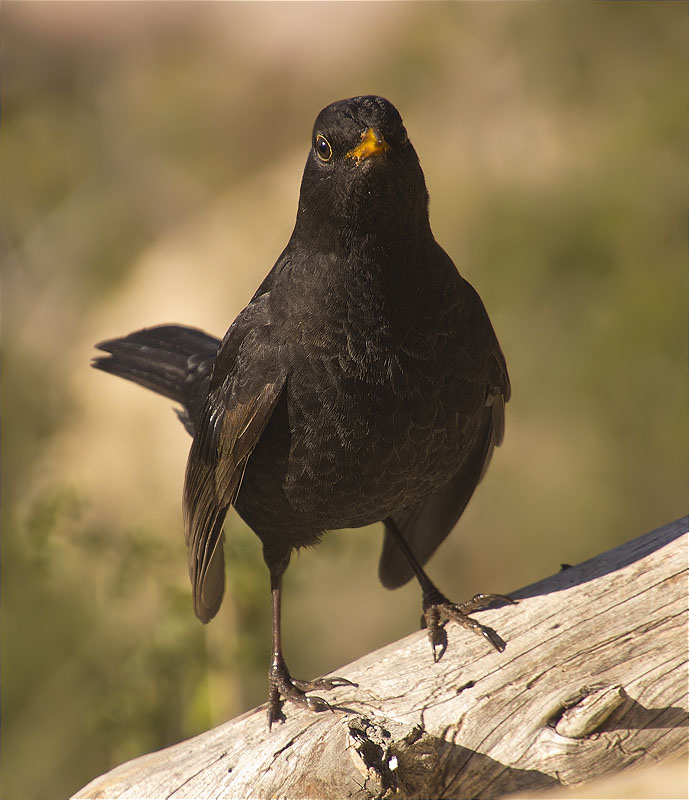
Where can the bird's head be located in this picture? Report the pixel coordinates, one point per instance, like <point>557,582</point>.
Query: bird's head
<point>362,175</point>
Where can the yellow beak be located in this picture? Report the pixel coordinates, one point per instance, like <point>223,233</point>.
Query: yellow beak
<point>372,144</point>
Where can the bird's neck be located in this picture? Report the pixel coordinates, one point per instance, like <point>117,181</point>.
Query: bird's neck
<point>390,271</point>
<point>382,247</point>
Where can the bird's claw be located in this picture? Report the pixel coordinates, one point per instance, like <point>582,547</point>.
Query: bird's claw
<point>322,684</point>
<point>316,704</point>
<point>481,601</point>
<point>284,687</point>
<point>437,607</point>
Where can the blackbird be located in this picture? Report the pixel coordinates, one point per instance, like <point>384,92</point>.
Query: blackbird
<point>363,382</point>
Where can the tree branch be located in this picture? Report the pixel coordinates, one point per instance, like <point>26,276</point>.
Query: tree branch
<point>592,681</point>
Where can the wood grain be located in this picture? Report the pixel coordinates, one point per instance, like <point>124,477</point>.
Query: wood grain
<point>593,680</point>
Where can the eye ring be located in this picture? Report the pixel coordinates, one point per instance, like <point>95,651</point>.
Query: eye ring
<point>323,149</point>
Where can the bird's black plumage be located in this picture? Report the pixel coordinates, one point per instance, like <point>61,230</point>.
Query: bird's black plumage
<point>362,383</point>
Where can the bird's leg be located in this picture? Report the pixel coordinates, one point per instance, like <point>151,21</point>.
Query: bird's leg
<point>437,607</point>
<point>280,682</point>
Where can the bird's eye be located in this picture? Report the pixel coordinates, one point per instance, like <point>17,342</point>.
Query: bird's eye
<point>403,136</point>
<point>323,148</point>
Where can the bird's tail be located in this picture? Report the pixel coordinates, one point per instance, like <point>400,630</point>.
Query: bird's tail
<point>171,360</point>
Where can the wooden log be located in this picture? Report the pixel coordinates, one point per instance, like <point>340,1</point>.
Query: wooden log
<point>593,680</point>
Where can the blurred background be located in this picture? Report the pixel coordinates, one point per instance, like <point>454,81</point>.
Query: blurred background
<point>151,157</point>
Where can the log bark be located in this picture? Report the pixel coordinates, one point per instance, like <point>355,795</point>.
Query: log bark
<point>593,680</point>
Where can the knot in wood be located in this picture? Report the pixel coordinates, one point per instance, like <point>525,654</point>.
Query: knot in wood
<point>584,714</point>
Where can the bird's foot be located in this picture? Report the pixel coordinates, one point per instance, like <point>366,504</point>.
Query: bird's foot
<point>437,608</point>
<point>283,687</point>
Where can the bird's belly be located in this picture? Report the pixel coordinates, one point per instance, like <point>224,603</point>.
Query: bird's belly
<point>394,460</point>
<point>351,456</point>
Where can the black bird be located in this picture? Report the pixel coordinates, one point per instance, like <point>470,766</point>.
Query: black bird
<point>363,382</point>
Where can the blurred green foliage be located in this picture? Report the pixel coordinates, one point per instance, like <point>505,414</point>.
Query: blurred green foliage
<point>553,137</point>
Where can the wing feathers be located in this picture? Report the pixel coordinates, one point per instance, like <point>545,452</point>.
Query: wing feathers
<point>217,459</point>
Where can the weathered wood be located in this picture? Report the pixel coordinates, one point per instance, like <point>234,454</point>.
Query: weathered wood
<point>593,680</point>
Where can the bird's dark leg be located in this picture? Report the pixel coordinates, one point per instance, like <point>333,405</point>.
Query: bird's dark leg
<point>436,606</point>
<point>280,682</point>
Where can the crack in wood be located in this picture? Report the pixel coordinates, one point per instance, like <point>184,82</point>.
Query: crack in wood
<point>195,775</point>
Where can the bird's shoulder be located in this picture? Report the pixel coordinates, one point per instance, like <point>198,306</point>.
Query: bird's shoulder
<point>245,348</point>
